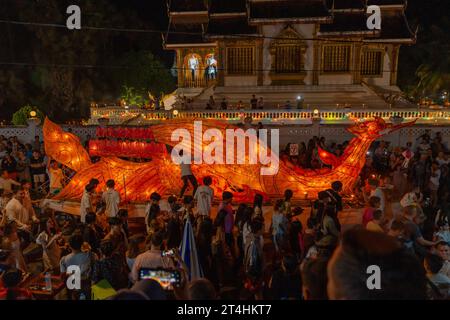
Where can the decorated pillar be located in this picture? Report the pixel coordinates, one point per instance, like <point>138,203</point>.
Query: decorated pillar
<point>356,74</point>
<point>260,61</point>
<point>180,68</point>
<point>316,64</point>
<point>221,64</point>
<point>394,64</point>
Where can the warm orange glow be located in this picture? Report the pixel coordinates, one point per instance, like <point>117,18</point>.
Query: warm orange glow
<point>64,147</point>
<point>162,176</point>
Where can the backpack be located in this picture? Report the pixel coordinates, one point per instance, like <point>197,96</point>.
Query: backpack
<point>253,264</point>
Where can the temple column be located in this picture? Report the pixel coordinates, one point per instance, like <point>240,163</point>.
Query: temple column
<point>316,63</point>
<point>180,70</point>
<point>260,61</point>
<point>394,64</point>
<point>221,64</point>
<point>357,64</point>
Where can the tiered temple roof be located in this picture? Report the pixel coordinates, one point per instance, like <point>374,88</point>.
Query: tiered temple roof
<point>215,19</point>
<point>187,5</point>
<point>227,6</point>
<point>305,11</point>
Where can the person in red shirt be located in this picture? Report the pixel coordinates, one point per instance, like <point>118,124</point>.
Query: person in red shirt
<point>374,204</point>
<point>12,291</point>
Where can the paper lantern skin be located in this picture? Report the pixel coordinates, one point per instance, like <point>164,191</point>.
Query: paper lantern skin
<point>244,181</point>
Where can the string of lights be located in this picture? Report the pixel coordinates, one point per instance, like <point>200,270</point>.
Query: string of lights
<point>131,30</point>
<point>91,66</point>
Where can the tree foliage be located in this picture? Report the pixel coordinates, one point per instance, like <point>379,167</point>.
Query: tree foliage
<point>66,70</point>
<point>21,116</point>
<point>143,75</point>
<point>424,68</point>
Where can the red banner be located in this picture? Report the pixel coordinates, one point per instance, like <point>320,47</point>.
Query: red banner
<point>125,133</point>
<point>129,149</point>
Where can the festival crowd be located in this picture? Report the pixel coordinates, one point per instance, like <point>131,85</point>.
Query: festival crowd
<point>284,250</point>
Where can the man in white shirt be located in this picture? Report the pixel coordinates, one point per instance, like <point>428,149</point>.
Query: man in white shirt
<point>16,211</point>
<point>86,203</point>
<point>193,65</point>
<point>204,197</point>
<point>443,250</point>
<point>6,182</point>
<point>376,191</point>
<point>440,282</point>
<point>151,258</point>
<point>111,198</point>
<point>187,176</point>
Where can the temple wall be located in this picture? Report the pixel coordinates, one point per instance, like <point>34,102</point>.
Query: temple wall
<point>273,31</point>
<point>385,79</point>
<point>241,81</point>
<point>343,78</point>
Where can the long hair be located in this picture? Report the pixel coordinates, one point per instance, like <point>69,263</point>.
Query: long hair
<point>258,201</point>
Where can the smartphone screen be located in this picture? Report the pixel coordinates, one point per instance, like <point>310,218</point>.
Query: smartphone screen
<point>167,278</point>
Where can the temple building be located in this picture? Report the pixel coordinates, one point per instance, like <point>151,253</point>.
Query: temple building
<point>312,53</point>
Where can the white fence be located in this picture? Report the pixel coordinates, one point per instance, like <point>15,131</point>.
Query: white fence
<point>294,132</point>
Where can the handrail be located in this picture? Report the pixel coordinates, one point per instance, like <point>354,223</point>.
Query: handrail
<point>273,114</point>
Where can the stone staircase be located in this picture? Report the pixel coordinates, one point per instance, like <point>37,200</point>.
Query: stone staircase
<point>322,97</point>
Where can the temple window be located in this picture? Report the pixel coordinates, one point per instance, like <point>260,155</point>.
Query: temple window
<point>288,52</point>
<point>193,71</point>
<point>336,58</point>
<point>240,60</point>
<point>372,63</point>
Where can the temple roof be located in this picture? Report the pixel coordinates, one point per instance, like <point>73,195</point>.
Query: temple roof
<point>348,23</point>
<point>386,2</point>
<point>226,26</point>
<point>187,5</point>
<point>189,19</point>
<point>346,4</point>
<point>395,28</point>
<point>184,34</point>
<point>288,10</point>
<point>227,6</point>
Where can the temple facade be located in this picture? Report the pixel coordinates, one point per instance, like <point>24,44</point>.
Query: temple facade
<point>317,52</point>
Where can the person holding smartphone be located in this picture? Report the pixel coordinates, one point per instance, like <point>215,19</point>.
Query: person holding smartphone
<point>151,258</point>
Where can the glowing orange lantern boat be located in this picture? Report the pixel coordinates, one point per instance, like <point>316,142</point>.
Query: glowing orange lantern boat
<point>163,176</point>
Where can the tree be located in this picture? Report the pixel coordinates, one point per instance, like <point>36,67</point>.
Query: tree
<point>424,68</point>
<point>144,74</point>
<point>21,116</point>
<point>132,98</point>
<point>66,70</point>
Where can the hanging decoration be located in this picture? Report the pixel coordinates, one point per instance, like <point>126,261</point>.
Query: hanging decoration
<point>125,133</point>
<point>129,149</point>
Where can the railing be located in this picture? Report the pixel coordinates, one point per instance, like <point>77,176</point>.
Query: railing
<point>117,114</point>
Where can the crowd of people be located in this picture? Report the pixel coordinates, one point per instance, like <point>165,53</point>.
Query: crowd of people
<point>254,103</point>
<point>246,251</point>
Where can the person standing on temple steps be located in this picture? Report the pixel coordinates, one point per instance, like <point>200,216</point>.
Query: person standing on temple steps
<point>187,176</point>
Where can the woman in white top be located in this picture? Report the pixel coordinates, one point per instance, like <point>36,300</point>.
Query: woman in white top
<point>12,243</point>
<point>51,252</point>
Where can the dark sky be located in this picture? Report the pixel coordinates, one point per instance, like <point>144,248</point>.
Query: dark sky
<point>154,10</point>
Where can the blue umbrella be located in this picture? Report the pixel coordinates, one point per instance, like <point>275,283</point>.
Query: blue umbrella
<point>189,252</point>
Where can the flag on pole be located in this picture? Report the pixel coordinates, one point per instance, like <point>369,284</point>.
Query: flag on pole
<point>188,250</point>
